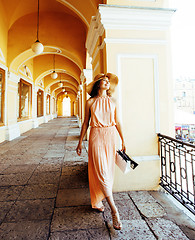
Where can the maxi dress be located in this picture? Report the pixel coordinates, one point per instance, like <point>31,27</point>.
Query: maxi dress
<point>102,150</point>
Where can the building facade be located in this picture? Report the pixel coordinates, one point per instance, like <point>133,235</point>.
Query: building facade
<point>81,39</point>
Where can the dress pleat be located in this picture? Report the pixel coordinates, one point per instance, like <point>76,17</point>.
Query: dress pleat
<point>102,150</point>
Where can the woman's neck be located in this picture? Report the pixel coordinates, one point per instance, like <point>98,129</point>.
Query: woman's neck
<point>102,93</point>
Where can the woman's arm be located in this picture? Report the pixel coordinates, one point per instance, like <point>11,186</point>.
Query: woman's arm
<point>84,128</point>
<point>119,129</point>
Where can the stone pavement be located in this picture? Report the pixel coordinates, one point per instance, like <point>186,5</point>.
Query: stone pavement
<point>44,194</point>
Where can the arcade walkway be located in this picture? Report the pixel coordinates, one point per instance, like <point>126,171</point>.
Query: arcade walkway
<point>44,194</point>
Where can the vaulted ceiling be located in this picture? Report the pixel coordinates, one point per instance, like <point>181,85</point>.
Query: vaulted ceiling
<point>63,27</point>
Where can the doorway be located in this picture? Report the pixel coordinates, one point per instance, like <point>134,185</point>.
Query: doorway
<point>66,106</point>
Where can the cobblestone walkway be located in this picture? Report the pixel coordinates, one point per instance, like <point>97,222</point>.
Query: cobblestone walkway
<point>44,194</point>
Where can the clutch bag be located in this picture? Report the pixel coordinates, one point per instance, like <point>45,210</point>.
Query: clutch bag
<point>125,162</point>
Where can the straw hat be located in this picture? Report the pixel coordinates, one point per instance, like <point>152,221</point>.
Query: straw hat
<point>112,78</point>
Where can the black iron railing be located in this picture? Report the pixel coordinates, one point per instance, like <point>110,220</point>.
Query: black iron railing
<point>178,170</point>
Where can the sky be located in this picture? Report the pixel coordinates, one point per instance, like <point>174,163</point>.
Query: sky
<point>183,39</point>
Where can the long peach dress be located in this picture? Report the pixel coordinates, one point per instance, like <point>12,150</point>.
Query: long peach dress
<point>102,150</point>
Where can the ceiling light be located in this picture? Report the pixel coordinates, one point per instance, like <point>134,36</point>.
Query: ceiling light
<point>37,47</point>
<point>54,75</point>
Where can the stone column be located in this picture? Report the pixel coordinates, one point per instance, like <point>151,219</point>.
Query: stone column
<point>34,106</point>
<point>134,44</point>
<point>13,130</point>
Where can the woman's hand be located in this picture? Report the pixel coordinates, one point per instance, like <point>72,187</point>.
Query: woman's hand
<point>123,147</point>
<point>79,149</point>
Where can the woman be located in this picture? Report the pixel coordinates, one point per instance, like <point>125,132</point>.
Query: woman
<point>101,109</point>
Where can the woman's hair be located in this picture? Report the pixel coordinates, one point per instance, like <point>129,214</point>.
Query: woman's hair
<point>96,88</point>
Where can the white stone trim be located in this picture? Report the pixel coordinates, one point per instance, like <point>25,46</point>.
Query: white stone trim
<point>126,18</point>
<point>97,51</point>
<point>2,58</point>
<point>96,66</point>
<point>145,0</point>
<point>156,84</point>
<point>35,123</point>
<point>13,131</point>
<point>6,91</point>
<point>96,29</point>
<point>74,9</point>
<point>13,77</point>
<point>88,75</point>
<point>24,121</point>
<point>135,18</point>
<point>146,158</point>
<point>135,41</point>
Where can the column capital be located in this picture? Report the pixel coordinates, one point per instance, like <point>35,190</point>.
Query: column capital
<point>126,18</point>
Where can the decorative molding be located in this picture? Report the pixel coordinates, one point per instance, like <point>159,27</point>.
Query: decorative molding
<point>145,0</point>
<point>135,18</point>
<point>3,67</point>
<point>156,83</point>
<point>96,66</point>
<point>74,9</point>
<point>146,158</point>
<point>96,29</point>
<point>135,41</point>
<point>26,71</point>
<point>97,50</point>
<point>2,58</point>
<point>88,75</point>
<point>127,18</point>
<point>13,77</point>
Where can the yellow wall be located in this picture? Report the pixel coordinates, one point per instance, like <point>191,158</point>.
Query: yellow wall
<point>3,33</point>
<point>140,56</point>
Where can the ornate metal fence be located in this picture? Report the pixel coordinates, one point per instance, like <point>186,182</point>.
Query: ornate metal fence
<point>178,170</point>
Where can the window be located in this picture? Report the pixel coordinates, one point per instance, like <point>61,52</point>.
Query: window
<point>2,94</point>
<point>24,99</point>
<point>39,103</point>
<point>53,105</point>
<point>48,104</point>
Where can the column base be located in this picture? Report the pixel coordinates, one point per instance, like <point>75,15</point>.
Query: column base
<point>35,123</point>
<point>13,131</point>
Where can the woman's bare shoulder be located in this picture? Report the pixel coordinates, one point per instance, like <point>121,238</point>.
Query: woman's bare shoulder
<point>113,100</point>
<point>90,101</point>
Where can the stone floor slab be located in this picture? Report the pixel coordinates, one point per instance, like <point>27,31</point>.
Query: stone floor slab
<point>3,167</point>
<point>31,210</point>
<point>48,167</point>
<point>14,179</point>
<point>74,181</point>
<point>95,234</point>
<point>132,230</point>
<point>69,235</point>
<point>53,160</point>
<point>166,229</point>
<point>126,208</point>
<point>141,197</point>
<point>44,178</point>
<point>4,209</point>
<point>75,218</point>
<point>73,197</point>
<point>27,230</point>
<point>10,193</point>
<point>39,191</point>
<point>54,154</point>
<point>151,209</point>
<point>25,168</point>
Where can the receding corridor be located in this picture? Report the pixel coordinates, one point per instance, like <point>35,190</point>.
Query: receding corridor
<point>44,194</point>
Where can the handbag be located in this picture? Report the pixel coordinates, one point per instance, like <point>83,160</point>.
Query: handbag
<point>125,162</point>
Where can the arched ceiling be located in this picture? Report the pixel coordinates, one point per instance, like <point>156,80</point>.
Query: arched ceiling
<point>63,26</point>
